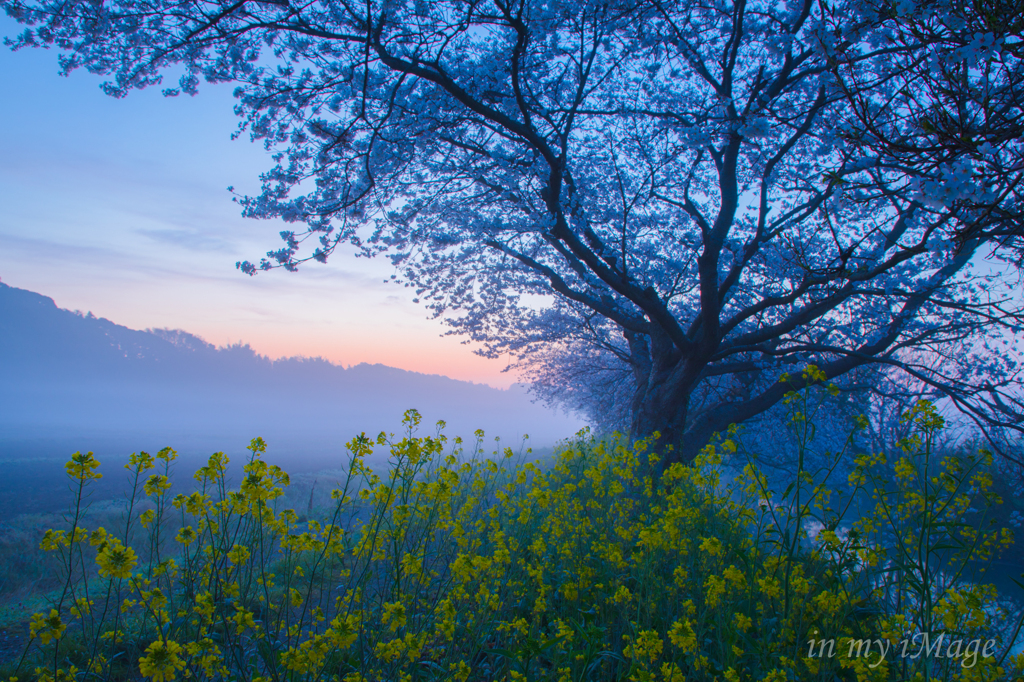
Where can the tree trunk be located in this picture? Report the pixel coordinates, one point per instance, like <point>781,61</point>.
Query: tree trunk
<point>661,407</point>
<point>665,381</point>
<point>667,414</point>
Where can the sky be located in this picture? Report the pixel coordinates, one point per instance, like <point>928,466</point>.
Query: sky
<point>121,208</point>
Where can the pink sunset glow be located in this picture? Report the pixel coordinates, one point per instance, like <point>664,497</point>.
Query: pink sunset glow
<point>121,208</point>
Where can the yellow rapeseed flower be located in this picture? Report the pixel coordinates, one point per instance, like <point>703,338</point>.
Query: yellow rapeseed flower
<point>239,554</point>
<point>140,462</point>
<point>54,540</point>
<point>394,615</point>
<point>646,647</point>
<point>681,635</point>
<point>115,560</point>
<point>712,546</point>
<point>46,628</point>
<point>146,517</point>
<point>186,535</point>
<point>156,485</point>
<point>83,467</point>
<point>161,661</point>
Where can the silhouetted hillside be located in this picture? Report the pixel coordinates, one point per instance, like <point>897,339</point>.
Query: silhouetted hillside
<point>69,380</point>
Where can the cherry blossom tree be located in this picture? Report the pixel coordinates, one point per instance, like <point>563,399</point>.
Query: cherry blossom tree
<point>941,113</point>
<point>655,207</point>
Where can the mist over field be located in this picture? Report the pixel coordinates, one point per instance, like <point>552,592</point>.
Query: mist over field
<point>70,381</point>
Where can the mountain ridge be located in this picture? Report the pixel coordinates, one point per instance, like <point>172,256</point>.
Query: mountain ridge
<point>65,372</point>
<point>126,339</point>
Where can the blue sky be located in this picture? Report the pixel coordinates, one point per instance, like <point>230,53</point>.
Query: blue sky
<point>120,207</point>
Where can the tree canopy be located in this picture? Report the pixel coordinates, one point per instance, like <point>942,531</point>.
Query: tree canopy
<point>950,126</point>
<point>656,207</point>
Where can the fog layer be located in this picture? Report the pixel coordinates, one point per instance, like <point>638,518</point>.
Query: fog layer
<point>75,382</point>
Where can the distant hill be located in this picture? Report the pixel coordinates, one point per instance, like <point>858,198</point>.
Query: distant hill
<point>69,381</point>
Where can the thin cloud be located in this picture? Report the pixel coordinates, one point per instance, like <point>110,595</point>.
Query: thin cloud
<point>191,239</point>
